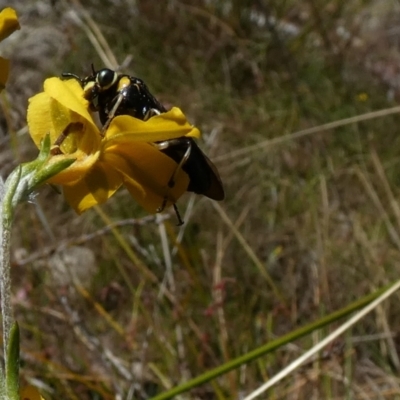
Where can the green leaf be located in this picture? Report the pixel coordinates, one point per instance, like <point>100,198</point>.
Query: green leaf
<point>12,367</point>
<point>50,170</point>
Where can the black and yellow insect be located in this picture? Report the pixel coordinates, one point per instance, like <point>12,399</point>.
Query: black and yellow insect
<point>111,94</point>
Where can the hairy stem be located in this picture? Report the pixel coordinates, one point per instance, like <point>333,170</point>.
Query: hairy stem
<point>7,193</point>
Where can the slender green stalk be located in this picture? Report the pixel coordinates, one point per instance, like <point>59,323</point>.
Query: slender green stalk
<point>323,343</point>
<point>12,367</point>
<point>18,187</point>
<point>6,217</point>
<point>269,347</point>
<point>2,250</point>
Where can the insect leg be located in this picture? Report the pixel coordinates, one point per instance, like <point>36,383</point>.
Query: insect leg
<point>168,143</point>
<point>162,146</point>
<point>111,114</point>
<point>63,135</point>
<point>151,113</point>
<point>178,215</point>
<point>70,75</point>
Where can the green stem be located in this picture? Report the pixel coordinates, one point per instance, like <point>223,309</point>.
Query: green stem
<point>6,217</point>
<point>2,250</point>
<point>18,187</point>
<point>12,367</point>
<point>269,347</point>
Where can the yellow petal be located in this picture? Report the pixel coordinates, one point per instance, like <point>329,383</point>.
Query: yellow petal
<point>146,173</point>
<point>76,171</point>
<point>82,143</point>
<point>30,393</point>
<point>169,125</point>
<point>39,118</point>
<point>4,72</point>
<point>69,93</point>
<point>95,188</point>
<point>8,22</point>
<point>47,115</point>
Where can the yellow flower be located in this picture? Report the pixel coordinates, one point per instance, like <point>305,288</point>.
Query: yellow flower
<point>124,156</point>
<point>362,97</point>
<point>8,24</point>
<point>30,393</point>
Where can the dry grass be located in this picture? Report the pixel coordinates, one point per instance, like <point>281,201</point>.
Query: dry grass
<point>310,223</point>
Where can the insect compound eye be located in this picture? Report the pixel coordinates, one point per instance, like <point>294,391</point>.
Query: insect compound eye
<point>106,78</point>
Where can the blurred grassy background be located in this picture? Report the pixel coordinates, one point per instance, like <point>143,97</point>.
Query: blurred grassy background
<point>318,214</point>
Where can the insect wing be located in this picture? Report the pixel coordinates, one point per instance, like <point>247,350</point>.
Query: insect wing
<point>215,191</point>
<point>203,175</point>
